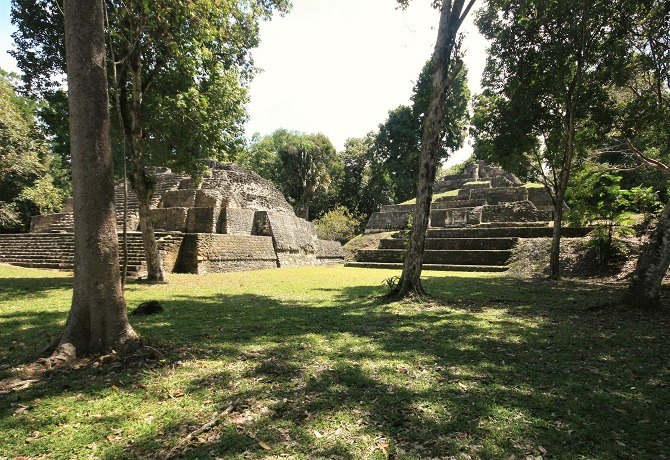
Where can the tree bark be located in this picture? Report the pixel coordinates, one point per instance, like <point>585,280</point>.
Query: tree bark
<point>644,290</point>
<point>451,18</point>
<point>562,187</point>
<point>97,322</point>
<point>141,182</point>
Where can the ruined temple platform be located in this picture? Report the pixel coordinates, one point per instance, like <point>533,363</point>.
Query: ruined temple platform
<point>232,220</point>
<point>473,228</point>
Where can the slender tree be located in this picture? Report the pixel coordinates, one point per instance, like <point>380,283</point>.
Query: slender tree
<point>548,70</point>
<point>445,70</point>
<point>97,322</point>
<point>183,69</point>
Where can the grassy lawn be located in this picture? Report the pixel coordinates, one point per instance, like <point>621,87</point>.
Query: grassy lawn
<point>315,363</point>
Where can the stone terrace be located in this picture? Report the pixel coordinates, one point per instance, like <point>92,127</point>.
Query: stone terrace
<point>233,220</point>
<point>474,229</point>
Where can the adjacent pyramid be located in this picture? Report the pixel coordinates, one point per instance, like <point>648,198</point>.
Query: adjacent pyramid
<point>473,227</point>
<point>232,220</point>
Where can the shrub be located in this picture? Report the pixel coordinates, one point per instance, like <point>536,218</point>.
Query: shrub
<point>339,225</point>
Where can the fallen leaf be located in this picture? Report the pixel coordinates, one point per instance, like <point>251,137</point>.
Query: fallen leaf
<point>264,445</point>
<point>317,434</point>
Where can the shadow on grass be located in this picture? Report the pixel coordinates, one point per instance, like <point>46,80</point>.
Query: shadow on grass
<point>489,368</point>
<point>14,289</point>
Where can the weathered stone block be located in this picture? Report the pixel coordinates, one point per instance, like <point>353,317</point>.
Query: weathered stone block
<point>477,185</point>
<point>202,220</point>
<point>205,253</point>
<point>237,221</point>
<point>541,199</point>
<point>386,221</point>
<point>449,204</point>
<point>178,199</point>
<point>329,251</point>
<point>169,219</point>
<point>455,217</point>
<point>294,238</point>
<point>522,211</point>
<point>52,223</point>
<point>501,195</point>
<point>209,199</point>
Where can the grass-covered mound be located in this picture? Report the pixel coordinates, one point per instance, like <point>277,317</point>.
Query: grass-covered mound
<point>315,363</point>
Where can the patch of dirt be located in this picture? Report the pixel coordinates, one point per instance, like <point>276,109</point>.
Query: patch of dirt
<point>530,258</point>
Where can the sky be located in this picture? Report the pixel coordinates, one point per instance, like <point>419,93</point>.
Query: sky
<point>334,66</point>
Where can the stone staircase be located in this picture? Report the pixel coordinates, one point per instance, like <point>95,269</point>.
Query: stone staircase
<point>56,250</point>
<point>474,225</point>
<point>485,248</point>
<point>164,183</point>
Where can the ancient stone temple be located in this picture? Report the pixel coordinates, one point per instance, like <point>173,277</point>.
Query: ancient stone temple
<point>473,226</point>
<point>233,220</point>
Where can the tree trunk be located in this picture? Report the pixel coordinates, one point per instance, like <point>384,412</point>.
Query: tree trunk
<point>450,21</point>
<point>97,322</point>
<point>563,180</point>
<point>141,183</point>
<point>555,258</point>
<point>303,204</point>
<point>652,265</point>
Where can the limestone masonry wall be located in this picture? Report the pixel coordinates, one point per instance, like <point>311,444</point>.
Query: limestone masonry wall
<point>485,194</point>
<point>233,220</point>
<point>205,253</point>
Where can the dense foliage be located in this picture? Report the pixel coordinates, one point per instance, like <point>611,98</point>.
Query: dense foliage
<point>301,165</point>
<point>398,141</point>
<point>30,179</point>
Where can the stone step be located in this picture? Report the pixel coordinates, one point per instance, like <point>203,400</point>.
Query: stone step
<point>450,257</point>
<point>454,243</point>
<point>508,232</point>
<point>56,251</point>
<point>435,267</point>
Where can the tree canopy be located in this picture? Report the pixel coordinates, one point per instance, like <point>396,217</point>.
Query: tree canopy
<point>300,165</point>
<point>546,101</point>
<point>27,181</point>
<point>178,75</point>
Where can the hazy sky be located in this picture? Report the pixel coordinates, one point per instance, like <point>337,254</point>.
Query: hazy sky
<point>334,66</point>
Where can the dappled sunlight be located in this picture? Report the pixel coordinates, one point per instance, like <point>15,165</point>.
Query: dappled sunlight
<point>489,367</point>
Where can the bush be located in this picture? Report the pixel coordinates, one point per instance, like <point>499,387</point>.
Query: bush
<point>10,219</point>
<point>339,225</point>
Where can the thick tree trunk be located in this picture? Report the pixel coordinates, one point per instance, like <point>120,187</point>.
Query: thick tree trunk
<point>652,265</point>
<point>303,204</point>
<point>562,187</point>
<point>149,243</point>
<point>443,75</point>
<point>97,322</point>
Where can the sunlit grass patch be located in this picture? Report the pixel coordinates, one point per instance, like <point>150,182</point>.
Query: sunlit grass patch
<point>316,363</point>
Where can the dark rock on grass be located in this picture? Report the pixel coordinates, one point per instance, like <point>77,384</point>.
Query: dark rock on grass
<point>148,308</point>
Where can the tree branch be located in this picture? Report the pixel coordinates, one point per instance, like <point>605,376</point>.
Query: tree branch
<point>649,161</point>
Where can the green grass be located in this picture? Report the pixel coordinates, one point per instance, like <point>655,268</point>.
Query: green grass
<point>435,196</point>
<point>315,363</point>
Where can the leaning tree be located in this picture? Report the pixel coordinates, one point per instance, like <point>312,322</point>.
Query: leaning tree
<point>97,322</point>
<point>446,66</point>
<point>645,125</point>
